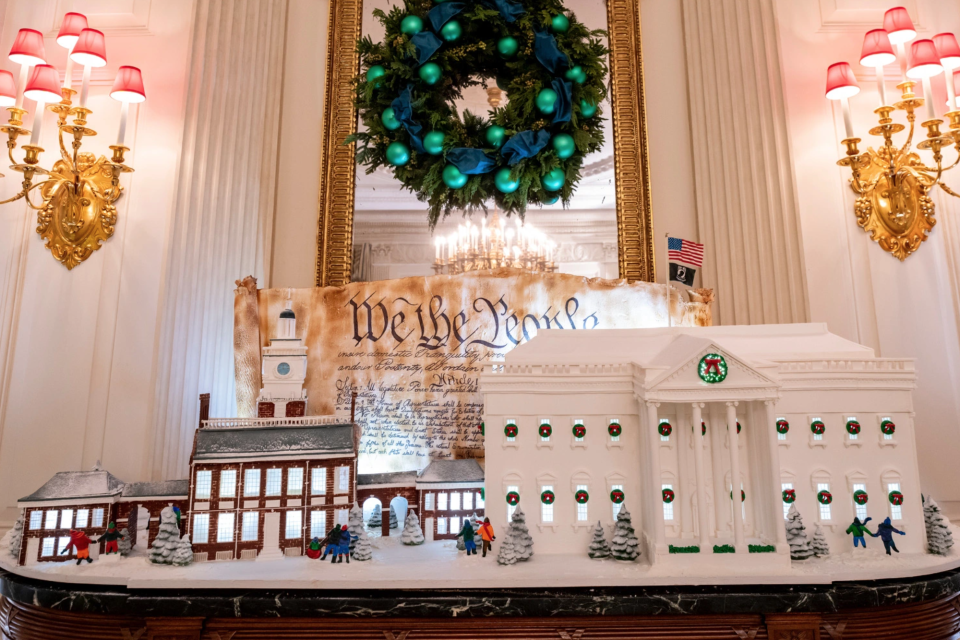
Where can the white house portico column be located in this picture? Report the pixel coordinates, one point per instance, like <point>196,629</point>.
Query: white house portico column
<point>738,538</point>
<point>685,473</point>
<point>654,439</point>
<point>770,419</point>
<point>702,517</point>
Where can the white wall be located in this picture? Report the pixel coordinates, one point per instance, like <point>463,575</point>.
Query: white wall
<point>863,293</point>
<point>78,348</point>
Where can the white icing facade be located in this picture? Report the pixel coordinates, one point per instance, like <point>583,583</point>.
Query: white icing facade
<point>641,378</point>
<point>284,371</point>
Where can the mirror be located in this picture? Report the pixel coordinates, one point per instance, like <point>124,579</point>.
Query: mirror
<point>371,229</point>
<point>391,238</point>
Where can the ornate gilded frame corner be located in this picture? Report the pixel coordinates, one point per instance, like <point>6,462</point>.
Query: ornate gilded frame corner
<point>631,153</point>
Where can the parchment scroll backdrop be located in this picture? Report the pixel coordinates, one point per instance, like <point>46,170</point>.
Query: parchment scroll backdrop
<point>413,348</point>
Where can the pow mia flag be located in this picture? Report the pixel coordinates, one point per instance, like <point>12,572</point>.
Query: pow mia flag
<point>682,274</point>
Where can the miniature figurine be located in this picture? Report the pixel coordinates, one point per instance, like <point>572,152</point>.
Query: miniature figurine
<point>344,548</point>
<point>858,528</point>
<point>467,534</point>
<point>80,541</point>
<point>885,532</point>
<point>112,538</point>
<point>313,549</point>
<point>486,536</point>
<point>333,545</point>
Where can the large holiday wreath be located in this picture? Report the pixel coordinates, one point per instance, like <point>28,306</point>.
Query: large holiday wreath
<point>712,368</point>
<point>530,151</point>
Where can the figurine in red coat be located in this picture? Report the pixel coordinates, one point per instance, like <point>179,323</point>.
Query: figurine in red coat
<point>81,542</point>
<point>313,549</point>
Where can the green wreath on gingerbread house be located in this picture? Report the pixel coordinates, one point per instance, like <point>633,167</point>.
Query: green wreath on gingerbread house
<point>529,151</point>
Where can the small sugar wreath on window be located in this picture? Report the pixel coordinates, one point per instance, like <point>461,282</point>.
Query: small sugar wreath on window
<point>783,426</point>
<point>853,427</point>
<point>547,497</point>
<point>825,497</point>
<point>887,427</point>
<point>581,496</point>
<point>789,495</point>
<point>896,498</point>
<point>860,496</point>
<point>614,429</point>
<point>616,496</point>
<point>665,429</point>
<point>817,427</point>
<point>513,498</point>
<point>668,495</point>
<point>545,430</point>
<point>511,430</point>
<point>579,431</point>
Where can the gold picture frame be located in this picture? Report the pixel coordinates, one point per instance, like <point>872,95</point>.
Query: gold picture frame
<point>631,153</point>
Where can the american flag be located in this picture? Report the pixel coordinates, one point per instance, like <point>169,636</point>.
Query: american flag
<point>685,251</point>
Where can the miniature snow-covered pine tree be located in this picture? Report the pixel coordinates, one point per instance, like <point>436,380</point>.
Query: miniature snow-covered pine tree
<point>393,518</point>
<point>125,545</point>
<point>183,554</point>
<point>625,544</point>
<point>376,518</point>
<point>355,527</point>
<point>599,547</point>
<point>797,535</point>
<point>517,545</point>
<point>819,545</point>
<point>167,540</point>
<point>412,533</point>
<point>16,538</point>
<point>939,536</point>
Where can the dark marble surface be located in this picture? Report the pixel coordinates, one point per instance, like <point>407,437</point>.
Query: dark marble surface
<point>449,603</point>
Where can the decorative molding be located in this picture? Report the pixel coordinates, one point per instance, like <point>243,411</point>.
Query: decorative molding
<point>860,16</point>
<point>224,201</point>
<point>134,22</point>
<point>747,210</point>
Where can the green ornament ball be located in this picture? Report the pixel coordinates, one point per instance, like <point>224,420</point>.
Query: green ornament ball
<point>587,110</point>
<point>560,23</point>
<point>547,100</point>
<point>504,183</point>
<point>451,31</point>
<point>398,154</point>
<point>433,143</point>
<point>389,119</point>
<point>431,73</point>
<point>553,200</point>
<point>576,74</point>
<point>553,181</point>
<point>508,46</point>
<point>411,25</point>
<point>453,178</point>
<point>374,72</point>
<point>502,83</point>
<point>495,135</point>
<point>563,145</point>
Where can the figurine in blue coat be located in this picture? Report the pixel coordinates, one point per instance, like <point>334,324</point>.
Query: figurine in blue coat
<point>885,532</point>
<point>344,545</point>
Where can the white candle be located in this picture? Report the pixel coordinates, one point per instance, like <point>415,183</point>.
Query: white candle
<point>124,110</point>
<point>902,57</point>
<point>847,121</point>
<point>37,124</point>
<point>881,87</point>
<point>68,77</point>
<point>22,84</point>
<point>436,242</point>
<point>951,90</point>
<point>85,87</point>
<point>928,99</point>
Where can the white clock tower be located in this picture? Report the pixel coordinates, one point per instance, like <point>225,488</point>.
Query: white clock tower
<point>284,371</point>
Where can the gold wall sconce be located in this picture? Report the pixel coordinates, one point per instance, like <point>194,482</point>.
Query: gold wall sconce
<point>77,209</point>
<point>892,182</point>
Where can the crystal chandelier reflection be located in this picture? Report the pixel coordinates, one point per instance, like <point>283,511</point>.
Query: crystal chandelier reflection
<point>473,248</point>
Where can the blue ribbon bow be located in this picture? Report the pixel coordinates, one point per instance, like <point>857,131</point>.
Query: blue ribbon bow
<point>403,110</point>
<point>509,9</point>
<point>442,13</point>
<point>426,44</point>
<point>546,50</point>
<point>525,144</point>
<point>564,104</point>
<point>471,161</point>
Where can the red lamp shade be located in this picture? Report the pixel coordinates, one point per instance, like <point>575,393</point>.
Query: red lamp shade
<point>841,82</point>
<point>924,60</point>
<point>898,25</point>
<point>44,84</point>
<point>877,50</point>
<point>8,89</point>
<point>128,87</point>
<point>91,49</point>
<point>70,28</point>
<point>28,48</point>
<point>948,50</point>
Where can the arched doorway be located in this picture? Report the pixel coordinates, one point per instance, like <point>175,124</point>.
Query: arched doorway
<point>373,516</point>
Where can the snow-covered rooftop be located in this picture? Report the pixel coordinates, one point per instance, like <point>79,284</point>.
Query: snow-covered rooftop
<point>213,444</point>
<point>399,478</point>
<point>438,471</point>
<point>73,485</point>
<point>645,347</point>
<point>162,489</point>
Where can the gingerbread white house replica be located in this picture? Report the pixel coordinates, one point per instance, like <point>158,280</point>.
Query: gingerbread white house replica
<point>675,422</point>
<point>284,370</point>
